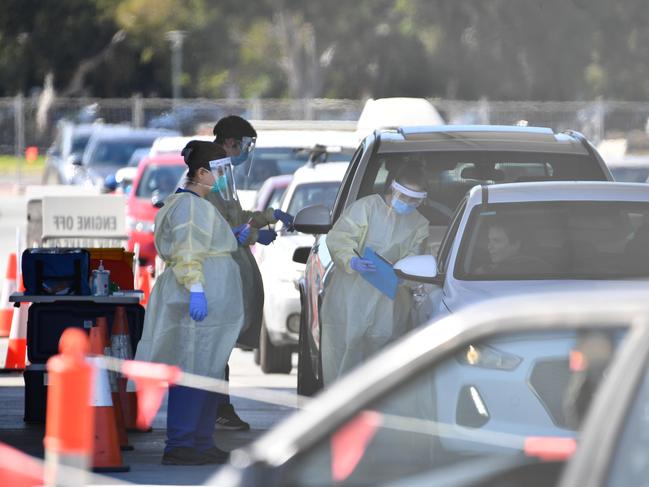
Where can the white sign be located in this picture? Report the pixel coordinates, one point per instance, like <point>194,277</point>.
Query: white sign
<point>101,216</point>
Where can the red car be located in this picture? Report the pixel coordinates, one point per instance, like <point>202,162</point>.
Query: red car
<point>157,177</point>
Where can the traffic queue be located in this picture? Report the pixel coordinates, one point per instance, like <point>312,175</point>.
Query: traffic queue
<point>422,371</point>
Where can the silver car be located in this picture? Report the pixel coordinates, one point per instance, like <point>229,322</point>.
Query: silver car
<point>382,425</point>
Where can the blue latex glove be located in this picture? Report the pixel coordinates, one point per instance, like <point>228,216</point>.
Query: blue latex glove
<point>242,232</point>
<point>362,265</point>
<point>197,306</point>
<point>285,218</point>
<point>266,236</point>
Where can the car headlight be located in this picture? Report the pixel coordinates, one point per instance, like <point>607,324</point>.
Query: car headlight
<point>136,225</point>
<point>488,358</point>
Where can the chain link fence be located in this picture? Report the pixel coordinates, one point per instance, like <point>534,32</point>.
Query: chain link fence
<point>23,123</point>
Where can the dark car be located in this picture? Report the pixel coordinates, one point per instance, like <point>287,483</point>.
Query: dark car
<point>454,159</point>
<point>110,149</point>
<point>69,143</point>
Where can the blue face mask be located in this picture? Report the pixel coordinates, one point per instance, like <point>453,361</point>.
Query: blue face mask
<point>241,158</point>
<point>402,208</point>
<point>219,185</point>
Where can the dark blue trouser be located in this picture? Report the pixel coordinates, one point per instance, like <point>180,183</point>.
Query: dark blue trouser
<point>224,399</point>
<point>191,415</point>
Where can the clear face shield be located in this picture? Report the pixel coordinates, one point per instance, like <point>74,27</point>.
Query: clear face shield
<point>224,183</point>
<point>405,200</point>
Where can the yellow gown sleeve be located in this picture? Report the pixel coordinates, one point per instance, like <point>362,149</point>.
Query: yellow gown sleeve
<point>348,233</point>
<point>191,232</point>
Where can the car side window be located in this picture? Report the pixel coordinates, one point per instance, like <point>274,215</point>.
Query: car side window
<point>449,237</point>
<point>484,398</point>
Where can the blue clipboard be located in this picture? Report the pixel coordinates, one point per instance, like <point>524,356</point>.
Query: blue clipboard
<point>383,278</point>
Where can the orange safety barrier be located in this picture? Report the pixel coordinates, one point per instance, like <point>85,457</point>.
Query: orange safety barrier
<point>8,288</point>
<point>69,422</point>
<point>107,456</point>
<point>151,382</point>
<point>18,469</point>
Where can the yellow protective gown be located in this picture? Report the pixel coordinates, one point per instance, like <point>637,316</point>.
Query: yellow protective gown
<point>253,286</point>
<point>357,319</point>
<point>196,244</point>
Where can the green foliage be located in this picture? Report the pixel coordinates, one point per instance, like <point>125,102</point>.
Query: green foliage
<point>499,49</point>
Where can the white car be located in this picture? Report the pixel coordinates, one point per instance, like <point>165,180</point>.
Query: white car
<point>283,151</point>
<point>311,185</point>
<point>526,238</point>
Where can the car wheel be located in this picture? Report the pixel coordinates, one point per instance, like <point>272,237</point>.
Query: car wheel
<point>273,359</point>
<point>307,382</point>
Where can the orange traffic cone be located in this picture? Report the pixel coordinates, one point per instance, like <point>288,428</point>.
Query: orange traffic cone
<point>102,325</point>
<point>121,348</point>
<point>8,287</point>
<point>17,344</point>
<point>107,456</point>
<point>145,285</point>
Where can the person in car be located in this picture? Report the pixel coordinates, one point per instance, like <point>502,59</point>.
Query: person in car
<point>504,243</point>
<point>358,319</point>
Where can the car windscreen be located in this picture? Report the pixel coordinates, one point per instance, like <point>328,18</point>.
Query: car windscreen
<point>116,152</point>
<point>630,174</point>
<point>449,175</point>
<point>555,240</point>
<point>276,161</point>
<point>159,180</point>
<point>313,194</point>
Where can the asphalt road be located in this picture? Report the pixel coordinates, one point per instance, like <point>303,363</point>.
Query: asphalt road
<point>144,460</point>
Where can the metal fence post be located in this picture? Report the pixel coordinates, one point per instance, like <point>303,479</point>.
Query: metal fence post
<point>137,111</point>
<point>19,131</point>
<point>255,107</point>
<point>307,109</point>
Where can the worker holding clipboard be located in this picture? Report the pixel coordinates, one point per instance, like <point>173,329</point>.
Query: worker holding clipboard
<point>365,307</point>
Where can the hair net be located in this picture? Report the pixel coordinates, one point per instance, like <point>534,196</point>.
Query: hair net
<point>199,153</point>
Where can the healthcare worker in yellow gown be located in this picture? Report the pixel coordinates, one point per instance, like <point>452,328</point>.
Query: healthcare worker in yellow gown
<point>357,319</point>
<point>195,311</point>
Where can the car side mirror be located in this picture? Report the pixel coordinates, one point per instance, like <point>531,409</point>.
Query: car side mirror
<point>156,200</point>
<point>315,220</point>
<point>301,255</point>
<point>75,159</point>
<point>418,268</point>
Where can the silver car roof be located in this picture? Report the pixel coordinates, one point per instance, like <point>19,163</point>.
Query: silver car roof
<point>479,138</point>
<point>559,191</point>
